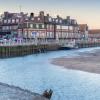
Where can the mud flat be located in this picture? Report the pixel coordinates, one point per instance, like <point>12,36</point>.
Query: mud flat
<point>88,62</point>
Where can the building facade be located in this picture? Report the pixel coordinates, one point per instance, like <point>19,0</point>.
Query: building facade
<point>94,34</point>
<point>40,27</point>
<point>10,23</point>
<point>83,30</point>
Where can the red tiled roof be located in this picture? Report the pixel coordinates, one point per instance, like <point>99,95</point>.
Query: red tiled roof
<point>94,31</point>
<point>82,27</point>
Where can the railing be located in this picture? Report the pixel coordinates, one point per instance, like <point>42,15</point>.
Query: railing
<point>25,42</point>
<point>43,41</point>
<point>88,41</point>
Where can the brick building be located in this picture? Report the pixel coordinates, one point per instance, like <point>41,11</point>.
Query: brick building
<point>94,34</point>
<point>83,30</point>
<point>10,23</point>
<point>41,26</point>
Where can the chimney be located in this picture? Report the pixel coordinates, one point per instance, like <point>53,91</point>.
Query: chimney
<point>31,14</point>
<point>6,14</point>
<point>47,15</point>
<point>41,13</point>
<point>58,16</point>
<point>68,17</point>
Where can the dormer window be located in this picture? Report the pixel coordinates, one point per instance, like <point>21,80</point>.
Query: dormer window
<point>60,21</point>
<point>32,18</point>
<point>50,19</point>
<point>56,20</point>
<point>26,19</point>
<point>38,19</point>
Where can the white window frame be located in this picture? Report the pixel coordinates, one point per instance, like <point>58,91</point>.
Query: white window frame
<point>50,19</point>
<point>37,26</point>
<point>9,20</point>
<point>31,25</point>
<point>5,21</point>
<point>17,20</point>
<point>13,20</point>
<point>42,25</point>
<point>38,19</point>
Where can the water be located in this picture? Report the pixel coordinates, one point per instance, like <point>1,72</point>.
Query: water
<point>37,74</point>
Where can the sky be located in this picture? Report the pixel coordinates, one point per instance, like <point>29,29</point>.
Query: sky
<point>85,11</point>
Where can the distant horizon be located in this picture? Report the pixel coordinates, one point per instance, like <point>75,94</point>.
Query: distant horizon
<point>84,11</point>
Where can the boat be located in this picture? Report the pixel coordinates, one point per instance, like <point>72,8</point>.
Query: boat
<point>68,46</point>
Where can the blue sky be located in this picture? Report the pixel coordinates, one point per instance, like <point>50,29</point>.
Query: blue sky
<point>85,11</point>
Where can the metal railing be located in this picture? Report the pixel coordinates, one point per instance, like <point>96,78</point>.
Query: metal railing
<point>42,42</point>
<point>27,42</point>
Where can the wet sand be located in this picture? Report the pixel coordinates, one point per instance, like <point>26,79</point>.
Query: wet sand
<point>88,62</point>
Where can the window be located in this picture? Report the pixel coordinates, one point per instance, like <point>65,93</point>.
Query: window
<point>50,27</point>
<point>34,25</point>
<point>14,27</point>
<point>9,20</point>
<point>26,19</point>
<point>58,26</point>
<point>10,27</point>
<point>5,21</point>
<point>50,19</point>
<point>53,20</point>
<point>25,34</point>
<point>42,25</point>
<point>38,19</point>
<point>56,20</point>
<point>60,21</point>
<point>32,18</point>
<point>3,28</point>
<point>31,25</point>
<point>13,20</point>
<point>17,20</point>
<point>45,26</point>
<point>37,25</point>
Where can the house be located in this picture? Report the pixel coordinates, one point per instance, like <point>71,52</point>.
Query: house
<point>94,34</point>
<point>10,23</point>
<point>83,30</point>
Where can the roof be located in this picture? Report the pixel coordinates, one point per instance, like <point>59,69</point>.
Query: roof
<point>83,27</point>
<point>94,31</point>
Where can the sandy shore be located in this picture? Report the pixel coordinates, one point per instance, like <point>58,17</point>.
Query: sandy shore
<point>89,62</point>
<point>8,92</point>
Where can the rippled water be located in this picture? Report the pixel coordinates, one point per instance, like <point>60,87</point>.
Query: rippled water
<point>37,74</point>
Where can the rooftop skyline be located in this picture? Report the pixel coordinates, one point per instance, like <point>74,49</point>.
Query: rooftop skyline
<point>85,11</point>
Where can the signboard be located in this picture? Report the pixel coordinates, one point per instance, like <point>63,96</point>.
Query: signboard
<point>34,33</point>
